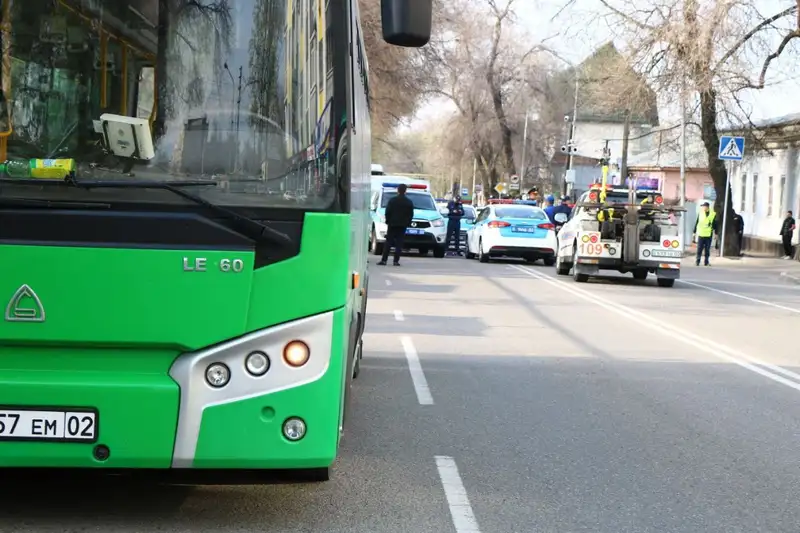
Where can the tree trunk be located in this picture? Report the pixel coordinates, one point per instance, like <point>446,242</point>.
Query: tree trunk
<point>716,167</point>
<point>502,121</point>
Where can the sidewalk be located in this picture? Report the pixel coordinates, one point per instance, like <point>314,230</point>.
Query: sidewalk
<point>788,269</point>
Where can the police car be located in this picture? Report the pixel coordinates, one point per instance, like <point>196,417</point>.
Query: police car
<point>512,230</point>
<point>428,228</point>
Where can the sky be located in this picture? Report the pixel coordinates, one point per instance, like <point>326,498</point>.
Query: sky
<point>583,37</point>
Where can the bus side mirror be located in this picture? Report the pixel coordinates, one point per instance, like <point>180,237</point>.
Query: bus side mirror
<point>406,22</point>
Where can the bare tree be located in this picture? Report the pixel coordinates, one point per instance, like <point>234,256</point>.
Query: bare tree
<point>706,50</point>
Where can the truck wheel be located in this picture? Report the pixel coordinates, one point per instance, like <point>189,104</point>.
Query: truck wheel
<point>438,252</point>
<point>580,278</point>
<point>375,246</point>
<point>640,274</point>
<point>665,282</point>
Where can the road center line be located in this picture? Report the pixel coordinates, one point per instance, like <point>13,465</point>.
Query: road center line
<point>457,500</point>
<point>687,337</point>
<point>398,315</point>
<point>743,297</point>
<point>742,284</point>
<point>417,375</point>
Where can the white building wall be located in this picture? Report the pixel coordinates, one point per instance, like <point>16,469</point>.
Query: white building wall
<point>763,207</point>
<point>590,138</point>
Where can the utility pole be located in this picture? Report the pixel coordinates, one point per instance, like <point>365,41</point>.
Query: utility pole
<point>626,133</point>
<point>682,233</point>
<point>524,146</point>
<point>474,172</point>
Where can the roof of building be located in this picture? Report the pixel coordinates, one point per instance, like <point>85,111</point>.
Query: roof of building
<point>598,75</point>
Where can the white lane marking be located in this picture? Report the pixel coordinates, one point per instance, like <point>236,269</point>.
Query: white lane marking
<point>743,297</point>
<point>398,315</point>
<point>457,500</point>
<point>417,375</point>
<point>742,283</point>
<point>388,282</point>
<point>687,337</point>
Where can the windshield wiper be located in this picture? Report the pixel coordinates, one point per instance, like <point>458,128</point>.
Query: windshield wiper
<point>12,201</point>
<point>247,226</point>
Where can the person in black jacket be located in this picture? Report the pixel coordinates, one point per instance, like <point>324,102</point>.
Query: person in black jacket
<point>399,214</point>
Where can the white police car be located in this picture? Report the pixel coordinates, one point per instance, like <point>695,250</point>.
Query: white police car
<point>428,228</point>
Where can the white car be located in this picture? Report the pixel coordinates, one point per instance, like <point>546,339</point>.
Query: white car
<point>512,230</point>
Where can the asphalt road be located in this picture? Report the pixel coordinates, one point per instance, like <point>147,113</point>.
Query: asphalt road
<point>501,399</point>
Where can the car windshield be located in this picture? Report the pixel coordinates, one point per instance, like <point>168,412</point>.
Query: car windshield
<point>237,92</point>
<point>420,200</point>
<point>469,212</point>
<point>520,211</point>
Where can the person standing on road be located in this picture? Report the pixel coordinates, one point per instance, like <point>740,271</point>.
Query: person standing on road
<point>787,231</point>
<point>399,214</point>
<point>561,209</point>
<point>738,224</point>
<point>704,228</point>
<point>455,210</point>
<point>549,207</point>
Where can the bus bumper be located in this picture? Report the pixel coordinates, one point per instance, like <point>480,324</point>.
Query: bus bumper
<point>156,410</point>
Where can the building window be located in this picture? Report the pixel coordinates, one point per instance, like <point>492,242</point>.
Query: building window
<point>770,198</point>
<point>743,193</point>
<point>755,194</point>
<point>782,194</point>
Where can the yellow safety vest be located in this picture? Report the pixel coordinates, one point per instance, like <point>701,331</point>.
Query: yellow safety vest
<point>705,224</point>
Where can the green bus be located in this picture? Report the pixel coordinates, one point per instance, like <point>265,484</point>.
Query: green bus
<point>184,212</point>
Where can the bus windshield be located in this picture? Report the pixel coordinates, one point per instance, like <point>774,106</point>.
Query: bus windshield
<point>423,201</point>
<point>237,92</point>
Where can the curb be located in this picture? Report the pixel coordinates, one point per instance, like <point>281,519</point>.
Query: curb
<point>791,277</point>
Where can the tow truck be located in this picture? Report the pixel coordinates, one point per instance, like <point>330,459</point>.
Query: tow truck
<point>623,229</point>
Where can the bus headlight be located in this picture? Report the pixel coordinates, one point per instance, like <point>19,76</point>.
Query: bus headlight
<point>294,429</point>
<point>257,364</point>
<point>438,223</point>
<point>296,353</point>
<point>218,375</point>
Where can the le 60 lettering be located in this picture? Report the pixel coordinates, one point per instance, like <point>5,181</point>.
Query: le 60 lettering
<point>231,265</point>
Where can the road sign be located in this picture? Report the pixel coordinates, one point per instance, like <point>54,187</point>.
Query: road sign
<point>731,148</point>
<point>501,188</point>
<point>514,179</point>
<point>478,187</point>
<point>464,191</point>
<point>514,186</point>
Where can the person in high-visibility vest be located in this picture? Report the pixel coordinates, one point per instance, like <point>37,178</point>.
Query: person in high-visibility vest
<point>704,228</point>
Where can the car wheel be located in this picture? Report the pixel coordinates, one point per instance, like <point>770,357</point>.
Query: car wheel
<point>562,268</point>
<point>549,261</point>
<point>375,247</point>
<point>439,252</point>
<point>580,278</point>
<point>482,257</point>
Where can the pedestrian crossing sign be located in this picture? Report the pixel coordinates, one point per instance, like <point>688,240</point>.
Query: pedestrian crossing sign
<point>731,148</point>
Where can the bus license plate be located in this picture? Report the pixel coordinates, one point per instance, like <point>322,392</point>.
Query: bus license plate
<point>48,425</point>
<point>414,232</point>
<point>523,229</point>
